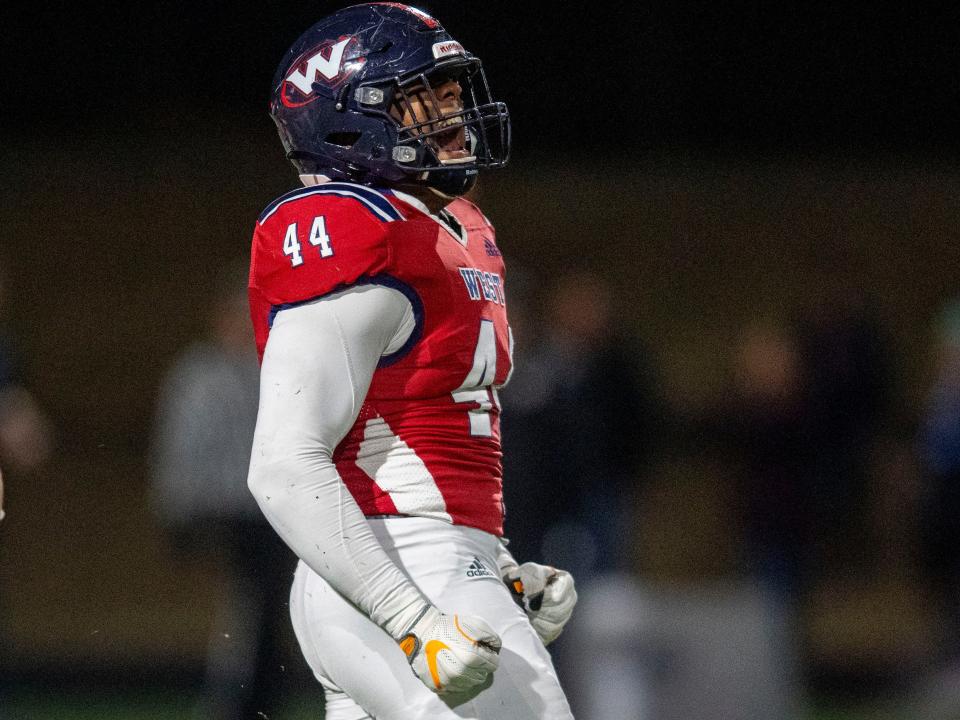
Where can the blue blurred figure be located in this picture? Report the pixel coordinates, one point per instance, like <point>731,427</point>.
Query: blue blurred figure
<point>580,417</point>
<point>940,454</point>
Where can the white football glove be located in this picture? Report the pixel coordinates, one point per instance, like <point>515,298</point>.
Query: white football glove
<point>546,594</point>
<point>451,653</point>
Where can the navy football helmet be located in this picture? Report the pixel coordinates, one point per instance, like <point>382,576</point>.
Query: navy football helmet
<point>335,88</point>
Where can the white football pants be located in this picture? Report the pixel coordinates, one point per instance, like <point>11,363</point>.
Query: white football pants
<point>362,669</point>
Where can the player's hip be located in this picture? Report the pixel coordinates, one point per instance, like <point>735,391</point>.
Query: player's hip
<point>437,554</point>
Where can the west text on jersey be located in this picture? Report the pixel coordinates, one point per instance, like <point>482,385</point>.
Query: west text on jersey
<point>483,285</point>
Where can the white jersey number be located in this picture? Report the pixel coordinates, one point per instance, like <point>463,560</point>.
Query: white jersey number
<point>318,238</point>
<point>477,386</point>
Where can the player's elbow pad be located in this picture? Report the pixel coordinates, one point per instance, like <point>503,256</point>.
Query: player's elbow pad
<point>265,479</point>
<point>258,484</point>
<point>282,477</point>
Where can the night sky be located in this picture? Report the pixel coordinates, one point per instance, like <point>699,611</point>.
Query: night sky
<point>726,77</point>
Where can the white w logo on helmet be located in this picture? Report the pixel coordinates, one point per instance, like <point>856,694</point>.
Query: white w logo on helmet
<point>329,67</point>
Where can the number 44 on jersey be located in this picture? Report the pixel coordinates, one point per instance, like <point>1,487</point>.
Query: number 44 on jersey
<point>318,238</point>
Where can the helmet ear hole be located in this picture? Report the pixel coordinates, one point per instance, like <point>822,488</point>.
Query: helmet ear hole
<point>342,139</point>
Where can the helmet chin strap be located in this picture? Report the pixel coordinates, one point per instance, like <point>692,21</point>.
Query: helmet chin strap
<point>446,185</point>
<point>441,195</point>
<point>450,185</point>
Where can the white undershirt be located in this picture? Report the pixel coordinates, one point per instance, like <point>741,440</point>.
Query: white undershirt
<point>319,360</point>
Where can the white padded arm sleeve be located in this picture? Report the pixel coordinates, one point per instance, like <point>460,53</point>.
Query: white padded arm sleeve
<point>317,367</point>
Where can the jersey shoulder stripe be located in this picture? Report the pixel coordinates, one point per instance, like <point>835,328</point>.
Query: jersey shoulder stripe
<point>375,202</point>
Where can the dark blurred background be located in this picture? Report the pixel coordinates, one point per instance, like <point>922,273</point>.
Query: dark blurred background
<point>731,235</point>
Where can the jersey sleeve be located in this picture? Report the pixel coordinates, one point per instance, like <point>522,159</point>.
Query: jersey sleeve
<point>309,244</point>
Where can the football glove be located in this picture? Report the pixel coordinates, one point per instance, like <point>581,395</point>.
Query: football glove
<point>546,594</point>
<point>451,653</point>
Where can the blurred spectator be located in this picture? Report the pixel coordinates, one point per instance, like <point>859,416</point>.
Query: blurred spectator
<point>940,454</point>
<point>579,421</point>
<point>762,428</point>
<point>25,433</point>
<point>200,455</point>
<point>798,431</point>
<point>846,389</point>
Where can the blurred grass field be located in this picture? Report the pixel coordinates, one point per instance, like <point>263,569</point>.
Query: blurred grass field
<point>137,706</point>
<point>182,706</point>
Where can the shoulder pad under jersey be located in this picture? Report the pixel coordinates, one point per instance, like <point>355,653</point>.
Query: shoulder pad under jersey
<point>316,240</point>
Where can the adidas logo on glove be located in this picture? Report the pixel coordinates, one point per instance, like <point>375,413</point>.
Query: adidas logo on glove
<point>477,569</point>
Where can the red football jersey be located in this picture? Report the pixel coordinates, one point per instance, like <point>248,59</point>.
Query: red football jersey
<point>427,439</point>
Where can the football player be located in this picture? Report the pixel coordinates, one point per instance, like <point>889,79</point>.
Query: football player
<point>377,296</point>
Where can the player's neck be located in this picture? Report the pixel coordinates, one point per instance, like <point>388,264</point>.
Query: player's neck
<point>434,202</point>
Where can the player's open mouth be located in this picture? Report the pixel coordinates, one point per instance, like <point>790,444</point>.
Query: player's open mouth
<point>451,142</point>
